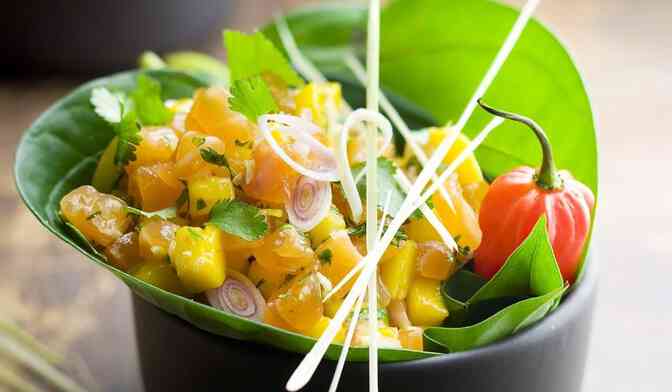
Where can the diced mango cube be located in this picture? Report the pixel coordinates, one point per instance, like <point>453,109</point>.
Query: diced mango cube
<point>398,271</point>
<point>337,256</point>
<point>319,99</point>
<point>425,303</point>
<point>205,192</point>
<point>267,280</point>
<point>420,230</point>
<point>318,329</point>
<point>123,253</point>
<point>435,261</point>
<point>301,305</point>
<point>331,223</point>
<point>198,258</point>
<point>161,275</point>
<point>460,219</point>
<point>154,187</point>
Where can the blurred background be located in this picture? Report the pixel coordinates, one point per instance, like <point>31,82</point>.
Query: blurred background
<point>622,47</point>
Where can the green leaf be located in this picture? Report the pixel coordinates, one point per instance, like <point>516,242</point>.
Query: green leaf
<point>106,105</point>
<point>531,270</point>
<point>240,219</point>
<point>253,55</point>
<point>252,97</point>
<point>166,213</point>
<point>128,133</point>
<point>148,103</point>
<point>458,289</point>
<point>387,184</point>
<point>502,324</point>
<point>200,65</point>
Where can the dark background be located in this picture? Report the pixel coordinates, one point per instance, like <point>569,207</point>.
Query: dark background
<point>624,50</point>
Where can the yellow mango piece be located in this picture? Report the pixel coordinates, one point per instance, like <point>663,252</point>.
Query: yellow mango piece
<point>301,305</point>
<point>420,230</point>
<point>435,261</point>
<point>154,187</point>
<point>155,238</point>
<point>331,223</point>
<point>474,194</point>
<point>425,304</point>
<point>205,192</point>
<point>319,99</point>
<point>161,275</point>
<point>469,171</point>
<point>411,338</point>
<point>460,220</point>
<point>198,258</point>
<point>337,256</point>
<point>398,271</point>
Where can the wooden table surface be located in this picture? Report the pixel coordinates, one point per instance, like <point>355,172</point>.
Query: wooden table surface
<point>624,49</point>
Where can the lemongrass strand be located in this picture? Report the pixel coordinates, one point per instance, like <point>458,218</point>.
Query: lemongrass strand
<point>433,220</point>
<point>389,109</point>
<point>503,53</point>
<point>303,65</point>
<point>346,344</point>
<point>40,366</point>
<point>372,103</point>
<point>13,331</point>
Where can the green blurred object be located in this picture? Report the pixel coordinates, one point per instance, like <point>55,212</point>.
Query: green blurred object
<point>197,64</point>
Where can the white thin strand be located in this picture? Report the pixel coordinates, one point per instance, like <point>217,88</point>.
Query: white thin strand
<point>372,103</point>
<point>389,109</point>
<point>307,367</point>
<point>303,65</point>
<point>346,344</point>
<point>386,210</point>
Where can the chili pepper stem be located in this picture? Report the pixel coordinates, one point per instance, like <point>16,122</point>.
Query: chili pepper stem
<point>547,177</point>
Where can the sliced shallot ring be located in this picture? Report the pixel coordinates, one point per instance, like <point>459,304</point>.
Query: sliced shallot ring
<point>301,130</point>
<point>349,184</point>
<point>308,203</point>
<point>238,296</point>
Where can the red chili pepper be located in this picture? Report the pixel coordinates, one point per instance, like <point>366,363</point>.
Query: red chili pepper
<point>516,200</point>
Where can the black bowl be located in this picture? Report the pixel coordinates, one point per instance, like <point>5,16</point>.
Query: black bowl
<point>549,356</point>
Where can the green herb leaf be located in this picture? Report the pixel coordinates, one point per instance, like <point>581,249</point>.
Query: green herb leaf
<point>201,204</point>
<point>254,55</point>
<point>252,98</point>
<point>325,256</point>
<point>531,270</point>
<point>166,213</point>
<point>211,156</point>
<point>128,133</point>
<point>106,105</point>
<point>148,103</point>
<point>240,219</point>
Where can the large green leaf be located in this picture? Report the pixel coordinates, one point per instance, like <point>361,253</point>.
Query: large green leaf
<point>530,271</point>
<point>59,152</point>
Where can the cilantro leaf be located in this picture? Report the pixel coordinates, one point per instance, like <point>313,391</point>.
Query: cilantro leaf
<point>106,105</point>
<point>252,97</point>
<point>211,156</point>
<point>128,133</point>
<point>240,219</point>
<point>386,183</point>
<point>149,105</point>
<point>166,213</point>
<point>254,54</point>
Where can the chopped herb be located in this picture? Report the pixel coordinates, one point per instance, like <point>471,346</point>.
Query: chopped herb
<point>254,54</point>
<point>183,199</point>
<point>198,141</point>
<point>211,156</point>
<point>106,105</point>
<point>252,98</point>
<point>240,219</point>
<point>260,283</point>
<point>195,235</point>
<point>360,231</point>
<point>386,183</point>
<point>288,279</point>
<point>93,215</point>
<point>201,204</point>
<point>325,256</point>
